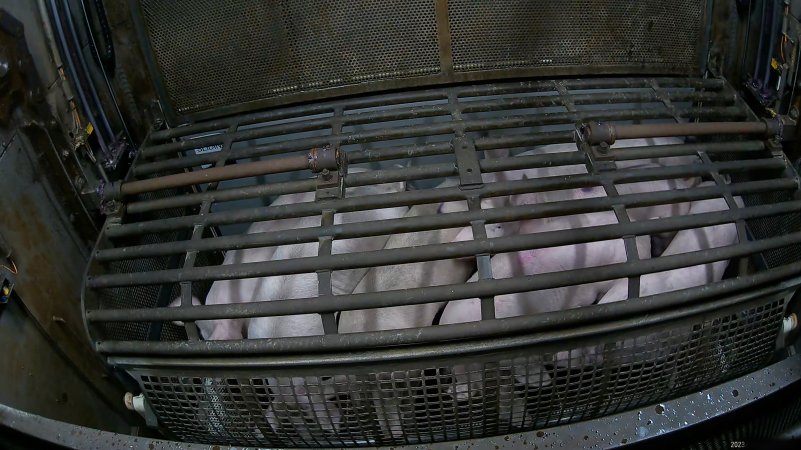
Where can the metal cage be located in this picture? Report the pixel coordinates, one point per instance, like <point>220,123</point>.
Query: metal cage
<point>193,187</point>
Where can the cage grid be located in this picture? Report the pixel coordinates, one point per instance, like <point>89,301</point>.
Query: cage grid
<point>459,147</point>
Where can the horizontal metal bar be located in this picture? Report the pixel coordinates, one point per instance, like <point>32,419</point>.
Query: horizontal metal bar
<point>261,190</point>
<point>482,288</point>
<point>242,135</point>
<point>597,98</point>
<point>300,111</point>
<point>652,307</point>
<point>662,151</point>
<point>533,161</point>
<point>354,157</point>
<point>407,151</point>
<point>443,128</point>
<point>68,435</point>
<point>300,126</point>
<point>421,96</point>
<point>429,196</point>
<point>440,251</point>
<point>440,221</point>
<point>194,160</point>
<point>312,124</point>
<point>602,83</point>
<point>596,132</point>
<point>524,140</point>
<point>213,174</point>
<point>385,154</point>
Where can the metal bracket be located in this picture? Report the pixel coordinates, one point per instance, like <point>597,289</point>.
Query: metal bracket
<point>467,163</point>
<point>117,150</point>
<point>775,148</point>
<point>331,167</point>
<point>330,185</point>
<point>599,152</point>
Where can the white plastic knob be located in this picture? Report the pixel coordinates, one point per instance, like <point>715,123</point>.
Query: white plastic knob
<point>789,324</point>
<point>135,402</point>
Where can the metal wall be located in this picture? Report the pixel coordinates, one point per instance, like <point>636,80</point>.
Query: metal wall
<point>211,58</point>
<point>48,367</point>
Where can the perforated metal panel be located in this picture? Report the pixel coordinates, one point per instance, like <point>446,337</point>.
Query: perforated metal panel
<point>449,399</point>
<point>210,58</point>
<point>214,54</point>
<point>594,34</point>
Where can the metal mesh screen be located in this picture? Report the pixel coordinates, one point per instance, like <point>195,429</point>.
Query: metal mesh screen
<point>776,226</point>
<point>214,54</point>
<point>211,58</point>
<point>472,397</point>
<point>525,34</point>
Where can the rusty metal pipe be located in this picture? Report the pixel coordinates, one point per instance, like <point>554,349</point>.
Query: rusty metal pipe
<point>316,160</point>
<point>598,132</point>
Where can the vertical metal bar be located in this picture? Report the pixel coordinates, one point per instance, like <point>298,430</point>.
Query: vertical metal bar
<point>324,276</point>
<point>444,37</point>
<point>564,96</point>
<point>704,45</point>
<point>326,243</point>
<point>664,97</point>
<point>629,242</point>
<point>197,233</point>
<point>630,247</point>
<point>483,262</point>
<point>470,178</point>
<point>742,233</point>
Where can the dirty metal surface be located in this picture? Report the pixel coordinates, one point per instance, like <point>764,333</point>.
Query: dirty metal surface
<point>208,60</point>
<point>49,256</point>
<point>638,425</point>
<point>30,361</point>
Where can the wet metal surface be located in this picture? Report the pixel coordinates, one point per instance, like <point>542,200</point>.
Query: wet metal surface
<point>616,430</point>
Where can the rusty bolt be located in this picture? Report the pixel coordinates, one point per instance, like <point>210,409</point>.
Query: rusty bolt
<point>326,174</point>
<point>603,147</point>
